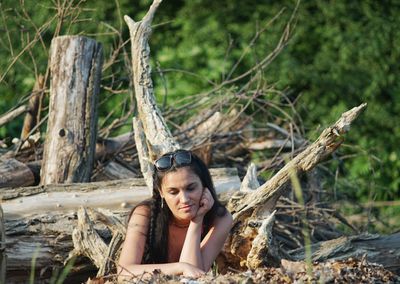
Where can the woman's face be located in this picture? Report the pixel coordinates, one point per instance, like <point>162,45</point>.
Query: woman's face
<point>182,190</point>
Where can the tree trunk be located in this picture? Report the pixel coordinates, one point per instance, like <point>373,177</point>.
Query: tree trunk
<point>72,125</point>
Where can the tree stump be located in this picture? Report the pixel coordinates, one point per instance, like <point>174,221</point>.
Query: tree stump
<point>75,66</point>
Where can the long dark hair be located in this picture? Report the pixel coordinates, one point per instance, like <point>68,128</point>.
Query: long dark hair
<point>157,238</point>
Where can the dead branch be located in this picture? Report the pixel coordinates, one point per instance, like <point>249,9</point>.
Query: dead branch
<point>11,115</point>
<point>31,118</point>
<point>250,209</point>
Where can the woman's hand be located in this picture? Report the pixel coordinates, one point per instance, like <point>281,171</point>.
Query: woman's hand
<point>206,203</point>
<point>189,270</point>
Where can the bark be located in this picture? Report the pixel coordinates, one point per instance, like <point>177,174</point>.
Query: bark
<point>15,174</point>
<point>250,209</point>
<point>75,66</point>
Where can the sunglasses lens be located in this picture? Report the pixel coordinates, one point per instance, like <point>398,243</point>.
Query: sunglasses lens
<point>183,158</point>
<point>164,163</point>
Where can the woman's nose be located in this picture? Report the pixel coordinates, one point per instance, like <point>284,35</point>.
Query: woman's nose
<point>184,197</point>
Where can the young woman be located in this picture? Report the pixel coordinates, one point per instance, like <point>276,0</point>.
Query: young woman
<point>183,227</point>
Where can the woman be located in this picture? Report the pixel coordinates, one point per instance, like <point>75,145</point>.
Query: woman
<point>183,227</point>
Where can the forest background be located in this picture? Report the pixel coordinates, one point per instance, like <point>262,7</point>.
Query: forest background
<point>339,55</point>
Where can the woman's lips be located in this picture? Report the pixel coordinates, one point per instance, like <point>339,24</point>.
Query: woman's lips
<point>186,207</point>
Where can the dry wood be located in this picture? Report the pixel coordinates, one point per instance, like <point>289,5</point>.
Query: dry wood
<point>384,250</point>
<point>110,194</point>
<point>31,118</point>
<point>106,148</point>
<point>252,208</point>
<point>152,136</point>
<point>75,64</point>
<point>113,171</point>
<point>15,174</point>
<point>11,115</point>
<point>157,133</point>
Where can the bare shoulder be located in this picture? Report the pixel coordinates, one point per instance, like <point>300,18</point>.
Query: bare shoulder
<point>140,216</point>
<point>143,210</point>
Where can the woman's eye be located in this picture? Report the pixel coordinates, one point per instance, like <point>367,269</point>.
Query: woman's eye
<point>191,188</point>
<point>173,192</point>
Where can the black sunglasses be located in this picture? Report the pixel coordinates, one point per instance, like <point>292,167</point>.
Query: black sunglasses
<point>180,158</point>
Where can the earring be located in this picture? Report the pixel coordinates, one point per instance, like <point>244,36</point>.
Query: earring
<point>162,202</point>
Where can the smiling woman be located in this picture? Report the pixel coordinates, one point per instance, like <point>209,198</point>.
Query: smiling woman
<point>182,228</point>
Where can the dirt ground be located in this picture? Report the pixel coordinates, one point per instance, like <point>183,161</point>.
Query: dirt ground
<point>349,271</point>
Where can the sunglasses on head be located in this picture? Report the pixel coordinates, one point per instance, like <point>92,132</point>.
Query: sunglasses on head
<point>179,158</point>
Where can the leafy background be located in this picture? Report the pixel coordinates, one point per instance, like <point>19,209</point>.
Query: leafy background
<point>341,54</point>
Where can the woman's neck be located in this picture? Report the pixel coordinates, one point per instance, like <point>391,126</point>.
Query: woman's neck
<point>180,223</point>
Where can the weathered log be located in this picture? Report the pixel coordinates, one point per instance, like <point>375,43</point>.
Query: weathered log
<point>251,208</point>
<point>15,174</point>
<point>75,65</point>
<point>11,115</point>
<point>384,250</point>
<point>111,194</point>
<point>3,264</point>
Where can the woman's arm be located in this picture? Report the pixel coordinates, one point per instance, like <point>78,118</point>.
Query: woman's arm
<point>214,240</point>
<point>202,254</point>
<point>133,249</point>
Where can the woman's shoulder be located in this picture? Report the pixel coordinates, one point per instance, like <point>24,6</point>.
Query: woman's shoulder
<point>141,211</point>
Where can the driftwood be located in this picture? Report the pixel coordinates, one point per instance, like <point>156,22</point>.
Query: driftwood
<point>250,209</point>
<point>41,219</point>
<point>72,125</point>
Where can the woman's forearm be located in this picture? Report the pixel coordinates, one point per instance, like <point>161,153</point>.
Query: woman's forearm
<point>138,269</point>
<point>191,252</point>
